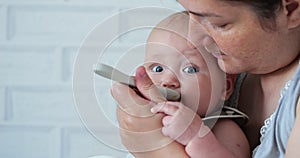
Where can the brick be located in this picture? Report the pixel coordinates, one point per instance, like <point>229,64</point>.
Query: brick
<point>129,59</point>
<point>132,3</point>
<point>55,23</point>
<point>138,22</point>
<point>116,2</point>
<point>28,141</point>
<point>83,75</point>
<point>78,143</point>
<point>32,1</point>
<point>42,105</point>
<point>2,104</point>
<point>97,107</point>
<point>112,55</point>
<point>26,65</point>
<point>68,59</point>
<point>3,23</point>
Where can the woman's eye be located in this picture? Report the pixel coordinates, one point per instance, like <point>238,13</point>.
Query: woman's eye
<point>214,25</point>
<point>220,26</point>
<point>157,68</point>
<point>190,69</point>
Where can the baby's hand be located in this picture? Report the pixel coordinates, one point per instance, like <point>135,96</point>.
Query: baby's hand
<point>180,122</point>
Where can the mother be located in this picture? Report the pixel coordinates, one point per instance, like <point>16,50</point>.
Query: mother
<point>259,37</point>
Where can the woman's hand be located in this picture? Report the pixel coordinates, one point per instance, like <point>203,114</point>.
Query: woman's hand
<point>180,122</point>
<point>140,129</point>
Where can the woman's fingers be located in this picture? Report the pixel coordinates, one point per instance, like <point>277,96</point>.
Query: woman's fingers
<point>140,129</point>
<point>130,102</point>
<point>141,134</point>
<point>138,124</point>
<point>146,86</point>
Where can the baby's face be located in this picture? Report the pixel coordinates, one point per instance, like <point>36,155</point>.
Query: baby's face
<point>171,63</point>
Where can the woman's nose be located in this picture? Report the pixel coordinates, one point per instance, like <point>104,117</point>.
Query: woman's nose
<point>196,32</point>
<point>198,37</point>
<point>191,40</point>
<point>170,81</point>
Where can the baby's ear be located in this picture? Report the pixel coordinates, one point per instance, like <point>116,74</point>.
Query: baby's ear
<point>230,80</point>
<point>292,11</point>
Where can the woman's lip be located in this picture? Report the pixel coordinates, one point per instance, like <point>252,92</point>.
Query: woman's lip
<point>214,50</point>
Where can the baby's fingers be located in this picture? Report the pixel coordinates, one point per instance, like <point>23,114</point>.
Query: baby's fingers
<point>165,107</point>
<point>167,120</point>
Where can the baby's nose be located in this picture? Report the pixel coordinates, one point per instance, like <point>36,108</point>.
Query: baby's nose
<point>170,81</point>
<point>172,85</point>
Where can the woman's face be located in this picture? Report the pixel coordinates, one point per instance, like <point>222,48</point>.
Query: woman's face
<point>242,44</point>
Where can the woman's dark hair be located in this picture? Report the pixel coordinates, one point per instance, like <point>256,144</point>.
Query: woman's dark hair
<point>265,10</point>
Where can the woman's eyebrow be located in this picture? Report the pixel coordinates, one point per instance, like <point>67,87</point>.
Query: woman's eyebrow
<point>204,14</point>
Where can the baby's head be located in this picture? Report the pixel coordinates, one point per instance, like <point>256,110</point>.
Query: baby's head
<point>171,62</point>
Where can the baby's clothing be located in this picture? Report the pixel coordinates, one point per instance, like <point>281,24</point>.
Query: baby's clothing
<point>276,131</point>
<point>233,100</point>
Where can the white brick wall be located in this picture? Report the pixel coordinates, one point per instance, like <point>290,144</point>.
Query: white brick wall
<point>42,104</point>
<point>2,104</point>
<point>29,141</point>
<point>24,65</point>
<point>39,40</point>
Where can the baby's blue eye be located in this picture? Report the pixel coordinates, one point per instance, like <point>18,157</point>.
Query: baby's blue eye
<point>157,68</point>
<point>191,69</point>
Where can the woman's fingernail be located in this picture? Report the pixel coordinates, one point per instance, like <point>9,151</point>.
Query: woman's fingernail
<point>142,74</point>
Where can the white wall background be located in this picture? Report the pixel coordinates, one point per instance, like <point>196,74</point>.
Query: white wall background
<point>38,44</point>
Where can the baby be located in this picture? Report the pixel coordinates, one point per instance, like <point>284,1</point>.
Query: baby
<point>171,62</point>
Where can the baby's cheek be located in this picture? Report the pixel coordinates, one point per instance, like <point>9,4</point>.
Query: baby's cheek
<point>153,77</point>
<point>190,97</point>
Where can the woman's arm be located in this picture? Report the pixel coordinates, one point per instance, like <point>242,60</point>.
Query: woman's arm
<point>292,149</point>
<point>140,129</point>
